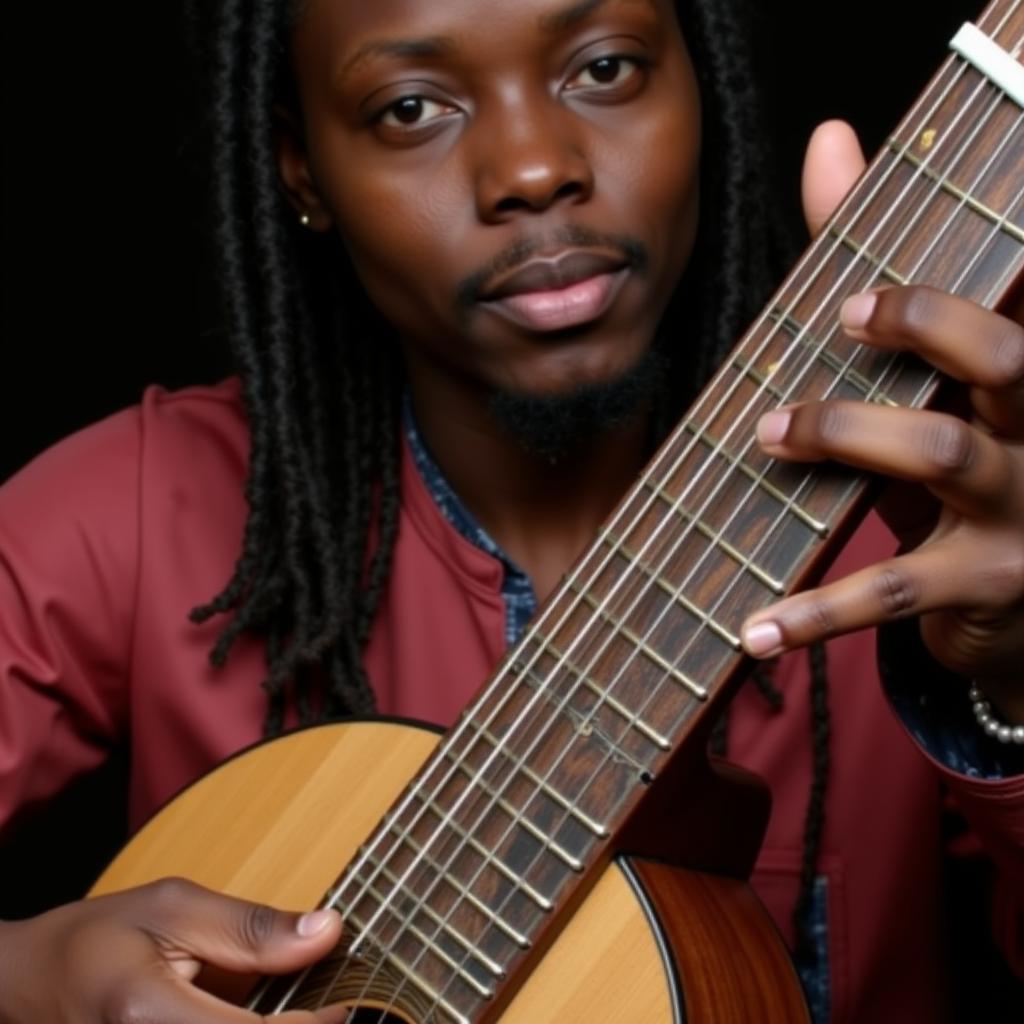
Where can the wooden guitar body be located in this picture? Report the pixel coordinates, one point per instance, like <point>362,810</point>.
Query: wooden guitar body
<point>650,943</point>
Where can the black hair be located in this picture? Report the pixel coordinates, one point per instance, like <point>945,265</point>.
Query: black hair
<point>319,375</point>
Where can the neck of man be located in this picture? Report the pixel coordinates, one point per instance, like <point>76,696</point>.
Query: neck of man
<point>542,510</point>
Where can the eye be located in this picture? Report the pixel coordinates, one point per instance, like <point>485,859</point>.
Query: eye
<point>412,111</point>
<point>606,71</point>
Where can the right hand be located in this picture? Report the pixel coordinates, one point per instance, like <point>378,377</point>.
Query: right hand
<point>130,957</point>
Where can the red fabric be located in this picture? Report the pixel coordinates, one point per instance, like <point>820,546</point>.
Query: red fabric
<point>110,537</point>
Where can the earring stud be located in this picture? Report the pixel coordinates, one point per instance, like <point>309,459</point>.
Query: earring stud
<point>304,220</point>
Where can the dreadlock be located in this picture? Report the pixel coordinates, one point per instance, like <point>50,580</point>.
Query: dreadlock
<point>321,382</point>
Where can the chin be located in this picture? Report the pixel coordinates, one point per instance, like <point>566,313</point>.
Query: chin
<point>554,419</point>
<point>576,361</point>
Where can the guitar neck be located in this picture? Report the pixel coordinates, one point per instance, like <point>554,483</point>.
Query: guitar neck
<point>507,824</point>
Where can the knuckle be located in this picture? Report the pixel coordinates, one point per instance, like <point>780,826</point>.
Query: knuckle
<point>128,1004</point>
<point>170,893</point>
<point>895,592</point>
<point>1007,366</point>
<point>256,925</point>
<point>819,617</point>
<point>833,421</point>
<point>949,446</point>
<point>910,309</point>
<point>1007,576</point>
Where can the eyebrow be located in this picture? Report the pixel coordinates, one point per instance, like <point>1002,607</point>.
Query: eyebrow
<point>561,20</point>
<point>439,46</point>
<point>431,46</point>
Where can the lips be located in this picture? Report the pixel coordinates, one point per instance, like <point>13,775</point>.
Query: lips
<point>551,294</point>
<point>550,273</point>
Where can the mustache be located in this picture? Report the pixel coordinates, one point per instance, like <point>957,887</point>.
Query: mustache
<point>469,290</point>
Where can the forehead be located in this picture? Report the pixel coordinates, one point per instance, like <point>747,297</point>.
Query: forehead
<point>339,36</point>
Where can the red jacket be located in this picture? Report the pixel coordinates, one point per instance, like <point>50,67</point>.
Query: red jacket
<point>110,537</point>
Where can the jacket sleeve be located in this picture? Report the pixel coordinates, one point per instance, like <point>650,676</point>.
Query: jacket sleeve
<point>68,565</point>
<point>985,778</point>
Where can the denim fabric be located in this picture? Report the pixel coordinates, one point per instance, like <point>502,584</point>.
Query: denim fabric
<point>516,588</point>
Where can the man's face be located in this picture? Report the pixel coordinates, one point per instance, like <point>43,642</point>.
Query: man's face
<point>515,180</point>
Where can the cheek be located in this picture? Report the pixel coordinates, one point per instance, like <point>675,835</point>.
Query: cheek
<point>656,171</point>
<point>394,226</point>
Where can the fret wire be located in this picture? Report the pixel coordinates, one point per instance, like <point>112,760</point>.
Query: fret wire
<point>519,817</point>
<point>947,89</point>
<point>430,946</point>
<point>758,477</point>
<point>599,830</point>
<point>966,199</point>
<point>617,706</point>
<point>1005,277</point>
<point>1010,272</point>
<point>621,628</point>
<point>572,715</point>
<point>490,857</point>
<point>856,379</point>
<point>405,969</point>
<point>474,950</point>
<point>684,602</point>
<point>733,552</point>
<point>570,581</point>
<point>465,893</point>
<point>862,252</point>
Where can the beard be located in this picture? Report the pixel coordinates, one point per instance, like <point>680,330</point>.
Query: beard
<point>554,427</point>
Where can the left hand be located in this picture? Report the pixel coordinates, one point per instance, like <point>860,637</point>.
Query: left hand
<point>966,577</point>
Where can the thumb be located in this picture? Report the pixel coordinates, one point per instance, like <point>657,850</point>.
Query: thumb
<point>833,163</point>
<point>193,925</point>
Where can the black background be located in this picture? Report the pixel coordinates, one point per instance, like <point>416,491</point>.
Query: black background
<point>107,286</point>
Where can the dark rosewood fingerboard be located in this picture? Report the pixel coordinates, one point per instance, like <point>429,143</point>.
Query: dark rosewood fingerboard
<point>510,821</point>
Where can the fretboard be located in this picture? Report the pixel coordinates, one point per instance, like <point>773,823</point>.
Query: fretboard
<point>640,644</point>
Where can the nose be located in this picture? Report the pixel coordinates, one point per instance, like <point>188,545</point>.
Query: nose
<point>529,160</point>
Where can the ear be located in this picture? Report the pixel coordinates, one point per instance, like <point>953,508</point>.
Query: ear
<point>293,167</point>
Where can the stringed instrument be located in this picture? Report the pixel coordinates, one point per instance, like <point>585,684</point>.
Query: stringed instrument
<point>566,851</point>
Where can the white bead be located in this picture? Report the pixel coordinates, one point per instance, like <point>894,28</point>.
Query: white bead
<point>998,730</point>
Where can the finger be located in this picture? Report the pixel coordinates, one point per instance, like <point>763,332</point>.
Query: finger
<point>961,465</point>
<point>912,584</point>
<point>834,161</point>
<point>963,339</point>
<point>191,923</point>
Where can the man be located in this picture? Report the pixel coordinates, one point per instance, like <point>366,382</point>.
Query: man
<point>517,190</point>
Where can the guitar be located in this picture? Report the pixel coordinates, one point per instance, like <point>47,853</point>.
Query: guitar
<point>518,868</point>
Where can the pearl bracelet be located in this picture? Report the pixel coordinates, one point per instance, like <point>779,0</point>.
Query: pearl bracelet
<point>983,713</point>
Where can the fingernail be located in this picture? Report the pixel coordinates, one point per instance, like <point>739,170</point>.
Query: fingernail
<point>772,426</point>
<point>857,309</point>
<point>314,922</point>
<point>762,639</point>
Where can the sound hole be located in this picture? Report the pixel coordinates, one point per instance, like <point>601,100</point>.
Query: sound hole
<point>368,1015</point>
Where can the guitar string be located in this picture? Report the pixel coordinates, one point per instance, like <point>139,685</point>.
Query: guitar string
<point>993,233</point>
<point>947,172</point>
